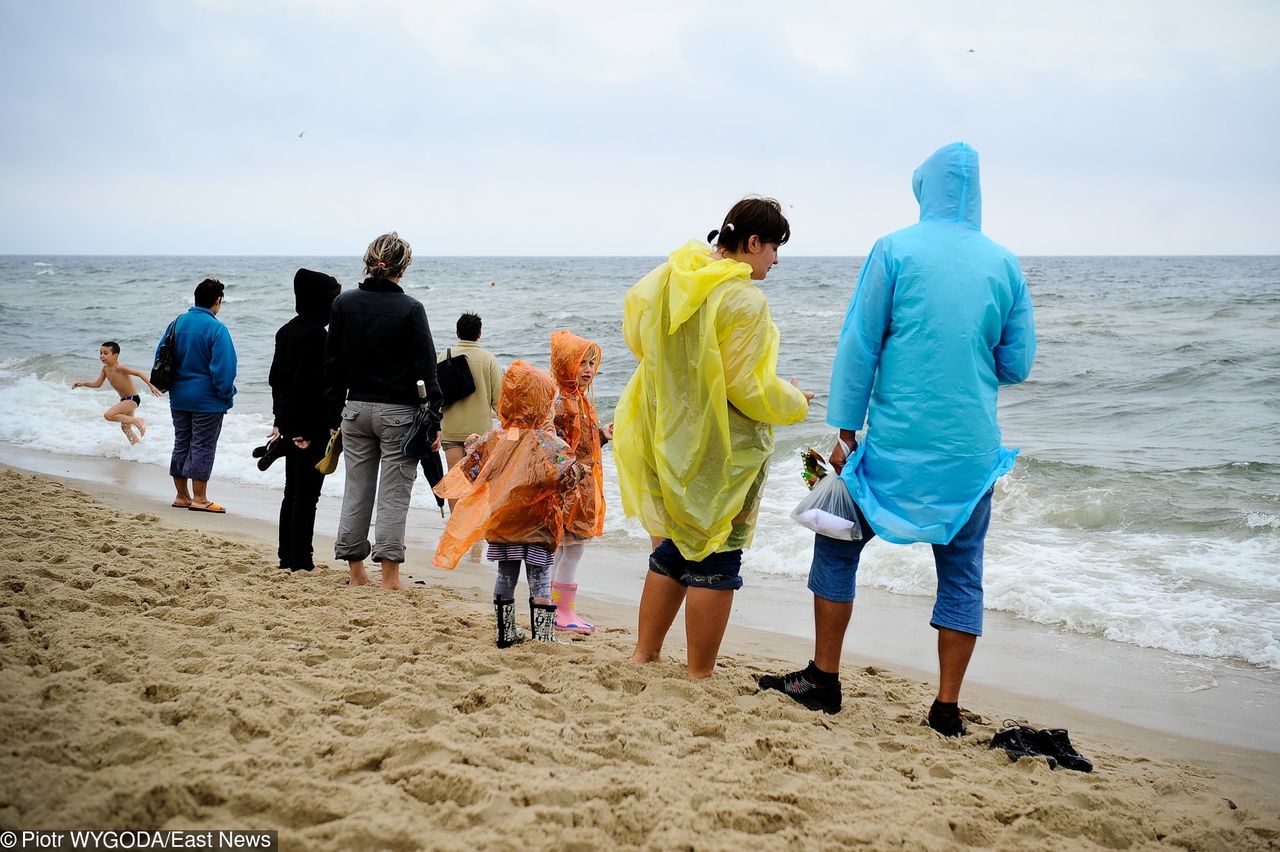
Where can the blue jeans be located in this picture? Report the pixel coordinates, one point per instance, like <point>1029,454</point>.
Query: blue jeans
<point>195,441</point>
<point>833,573</point>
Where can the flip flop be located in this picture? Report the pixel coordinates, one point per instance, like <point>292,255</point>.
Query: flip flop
<point>176,505</point>
<point>212,507</point>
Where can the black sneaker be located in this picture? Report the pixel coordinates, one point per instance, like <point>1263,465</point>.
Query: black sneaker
<point>1056,745</point>
<point>801,689</point>
<point>945,719</point>
<point>1020,741</point>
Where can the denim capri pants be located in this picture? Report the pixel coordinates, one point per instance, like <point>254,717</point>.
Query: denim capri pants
<point>833,573</point>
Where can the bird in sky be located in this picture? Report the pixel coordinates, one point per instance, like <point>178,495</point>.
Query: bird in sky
<point>300,134</point>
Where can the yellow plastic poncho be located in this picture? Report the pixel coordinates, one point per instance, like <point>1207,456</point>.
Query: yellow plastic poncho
<point>694,426</point>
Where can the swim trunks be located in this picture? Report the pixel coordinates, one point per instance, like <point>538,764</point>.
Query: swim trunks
<point>137,400</point>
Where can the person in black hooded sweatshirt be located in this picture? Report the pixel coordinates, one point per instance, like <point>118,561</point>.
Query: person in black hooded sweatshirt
<point>301,424</point>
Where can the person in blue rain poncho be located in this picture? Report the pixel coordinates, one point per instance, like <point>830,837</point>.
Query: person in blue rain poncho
<point>940,318</point>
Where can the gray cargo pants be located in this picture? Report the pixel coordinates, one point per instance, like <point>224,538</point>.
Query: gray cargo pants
<point>371,436</point>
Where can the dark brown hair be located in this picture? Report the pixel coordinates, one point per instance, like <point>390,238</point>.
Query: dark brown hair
<point>113,346</point>
<point>469,327</point>
<point>208,291</point>
<point>761,217</point>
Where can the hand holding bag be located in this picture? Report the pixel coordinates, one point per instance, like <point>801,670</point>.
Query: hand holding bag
<point>329,463</point>
<point>829,510</point>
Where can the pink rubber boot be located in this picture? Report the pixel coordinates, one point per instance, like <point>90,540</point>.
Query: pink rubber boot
<point>562,595</point>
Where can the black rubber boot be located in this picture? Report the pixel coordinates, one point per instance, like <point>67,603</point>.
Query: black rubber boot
<point>508,633</point>
<point>543,619</point>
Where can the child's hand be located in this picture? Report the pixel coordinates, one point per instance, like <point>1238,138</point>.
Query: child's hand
<point>808,395</point>
<point>608,432</point>
<point>75,385</point>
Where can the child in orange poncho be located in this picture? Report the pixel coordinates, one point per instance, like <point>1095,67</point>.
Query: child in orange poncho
<point>513,488</point>
<point>574,363</point>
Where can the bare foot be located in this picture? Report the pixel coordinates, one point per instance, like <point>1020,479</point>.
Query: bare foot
<point>142,426</point>
<point>133,439</point>
<point>638,657</point>
<point>391,578</point>
<point>358,575</point>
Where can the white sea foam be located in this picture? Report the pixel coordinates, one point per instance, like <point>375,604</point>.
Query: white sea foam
<point>51,417</point>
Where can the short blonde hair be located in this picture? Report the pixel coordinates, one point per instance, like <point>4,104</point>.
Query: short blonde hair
<point>388,256</point>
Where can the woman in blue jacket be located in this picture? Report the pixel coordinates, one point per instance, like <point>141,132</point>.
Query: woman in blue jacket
<point>204,377</point>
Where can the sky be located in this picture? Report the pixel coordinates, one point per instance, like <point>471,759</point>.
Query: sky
<point>522,127</point>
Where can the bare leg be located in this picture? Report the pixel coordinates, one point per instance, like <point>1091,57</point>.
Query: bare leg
<point>391,575</point>
<point>453,455</point>
<point>180,486</point>
<point>122,413</point>
<point>830,621</point>
<point>954,651</point>
<point>656,540</point>
<point>659,603</point>
<point>199,493</point>
<point>706,614</point>
<point>358,575</point>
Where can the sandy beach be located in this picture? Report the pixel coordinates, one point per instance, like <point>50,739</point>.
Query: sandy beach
<point>159,672</point>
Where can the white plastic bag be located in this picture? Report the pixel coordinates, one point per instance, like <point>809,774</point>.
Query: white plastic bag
<point>828,510</point>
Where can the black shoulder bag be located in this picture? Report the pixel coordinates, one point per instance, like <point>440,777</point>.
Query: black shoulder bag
<point>454,376</point>
<point>166,355</point>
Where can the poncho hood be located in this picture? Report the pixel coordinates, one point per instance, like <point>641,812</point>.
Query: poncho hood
<point>526,398</point>
<point>313,294</point>
<point>695,273</point>
<point>568,351</point>
<point>946,185</point>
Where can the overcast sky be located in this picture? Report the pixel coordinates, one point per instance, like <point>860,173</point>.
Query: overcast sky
<point>512,127</point>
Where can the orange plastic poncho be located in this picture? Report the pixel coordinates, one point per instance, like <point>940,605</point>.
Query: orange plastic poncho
<point>694,426</point>
<point>508,486</point>
<point>578,425</point>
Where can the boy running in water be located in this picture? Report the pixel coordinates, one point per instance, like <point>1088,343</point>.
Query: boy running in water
<point>121,378</point>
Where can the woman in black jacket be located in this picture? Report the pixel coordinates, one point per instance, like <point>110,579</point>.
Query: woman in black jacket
<point>301,428</point>
<point>379,348</point>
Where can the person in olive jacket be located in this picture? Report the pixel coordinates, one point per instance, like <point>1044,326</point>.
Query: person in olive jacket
<point>301,428</point>
<point>379,347</point>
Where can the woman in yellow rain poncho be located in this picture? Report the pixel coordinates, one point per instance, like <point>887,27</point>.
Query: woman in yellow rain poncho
<point>694,426</point>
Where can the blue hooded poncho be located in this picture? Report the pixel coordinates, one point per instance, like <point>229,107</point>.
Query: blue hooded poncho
<point>941,317</point>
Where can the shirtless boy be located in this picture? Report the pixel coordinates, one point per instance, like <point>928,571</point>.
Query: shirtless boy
<point>121,378</point>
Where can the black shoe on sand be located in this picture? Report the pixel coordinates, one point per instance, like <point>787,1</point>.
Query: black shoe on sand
<point>1056,745</point>
<point>1020,741</point>
<point>945,719</point>
<point>800,687</point>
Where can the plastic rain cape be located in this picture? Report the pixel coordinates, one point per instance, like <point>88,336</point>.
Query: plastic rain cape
<point>940,318</point>
<point>507,487</point>
<point>578,425</point>
<point>694,426</point>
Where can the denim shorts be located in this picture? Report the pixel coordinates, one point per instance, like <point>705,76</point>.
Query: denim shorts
<point>719,571</point>
<point>833,573</point>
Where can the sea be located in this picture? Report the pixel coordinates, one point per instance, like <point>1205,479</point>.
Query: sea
<point>1144,507</point>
